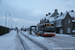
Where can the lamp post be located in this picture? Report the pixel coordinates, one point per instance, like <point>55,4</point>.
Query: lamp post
<point>11,23</point>
<point>6,19</point>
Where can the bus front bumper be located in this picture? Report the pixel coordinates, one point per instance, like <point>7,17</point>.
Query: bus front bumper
<point>48,34</point>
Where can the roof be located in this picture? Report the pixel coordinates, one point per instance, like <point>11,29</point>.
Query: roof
<point>72,14</point>
<point>51,19</point>
<point>52,22</point>
<point>54,14</point>
<point>48,16</point>
<point>61,16</point>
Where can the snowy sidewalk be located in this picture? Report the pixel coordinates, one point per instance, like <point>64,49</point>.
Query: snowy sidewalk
<point>65,35</point>
<point>8,41</point>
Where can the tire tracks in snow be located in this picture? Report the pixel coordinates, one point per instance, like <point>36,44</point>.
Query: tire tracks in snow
<point>23,43</point>
<point>37,43</point>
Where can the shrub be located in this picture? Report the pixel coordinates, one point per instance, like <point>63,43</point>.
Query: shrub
<point>3,30</point>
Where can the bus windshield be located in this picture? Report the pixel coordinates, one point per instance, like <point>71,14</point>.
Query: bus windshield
<point>46,28</point>
<point>49,29</point>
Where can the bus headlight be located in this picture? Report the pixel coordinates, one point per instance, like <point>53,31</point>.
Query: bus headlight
<point>45,33</point>
<point>53,33</point>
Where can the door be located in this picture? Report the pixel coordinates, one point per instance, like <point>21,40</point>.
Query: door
<point>61,31</point>
<point>68,30</point>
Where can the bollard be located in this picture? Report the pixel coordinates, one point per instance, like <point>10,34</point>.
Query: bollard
<point>37,34</point>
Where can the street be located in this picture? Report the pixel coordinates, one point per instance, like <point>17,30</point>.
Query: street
<point>62,42</point>
<point>52,43</point>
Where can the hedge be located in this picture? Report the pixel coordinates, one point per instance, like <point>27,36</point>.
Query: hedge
<point>2,30</point>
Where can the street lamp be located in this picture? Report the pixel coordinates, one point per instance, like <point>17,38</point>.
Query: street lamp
<point>11,24</point>
<point>6,19</point>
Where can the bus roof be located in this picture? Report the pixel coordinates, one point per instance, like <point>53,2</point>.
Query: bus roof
<point>44,24</point>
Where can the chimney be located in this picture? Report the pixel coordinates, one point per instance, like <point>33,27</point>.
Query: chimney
<point>49,13</point>
<point>40,20</point>
<point>46,14</point>
<point>61,13</point>
<point>72,10</point>
<point>66,11</point>
<point>56,10</point>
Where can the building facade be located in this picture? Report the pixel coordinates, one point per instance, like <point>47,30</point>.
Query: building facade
<point>65,23</point>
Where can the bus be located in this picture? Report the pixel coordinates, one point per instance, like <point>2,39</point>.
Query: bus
<point>46,29</point>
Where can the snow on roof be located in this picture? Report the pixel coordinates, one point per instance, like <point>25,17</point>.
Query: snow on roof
<point>52,22</point>
<point>72,14</point>
<point>47,17</point>
<point>51,19</point>
<point>61,16</point>
<point>73,20</point>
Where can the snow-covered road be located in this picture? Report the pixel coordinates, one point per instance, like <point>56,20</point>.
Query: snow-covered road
<point>65,43</point>
<point>16,41</point>
<point>52,43</point>
<point>31,44</point>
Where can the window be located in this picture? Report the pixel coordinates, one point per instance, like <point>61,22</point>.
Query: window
<point>73,25</point>
<point>74,28</point>
<point>59,23</point>
<point>69,21</point>
<point>65,21</point>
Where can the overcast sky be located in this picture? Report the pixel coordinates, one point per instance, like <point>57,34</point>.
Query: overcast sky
<point>29,12</point>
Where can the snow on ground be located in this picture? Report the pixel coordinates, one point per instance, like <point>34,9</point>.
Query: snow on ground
<point>60,41</point>
<point>9,41</point>
<point>41,40</point>
<point>18,43</point>
<point>29,44</point>
<point>65,35</point>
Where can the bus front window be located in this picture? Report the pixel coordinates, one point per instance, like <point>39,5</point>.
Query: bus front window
<point>49,29</point>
